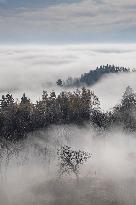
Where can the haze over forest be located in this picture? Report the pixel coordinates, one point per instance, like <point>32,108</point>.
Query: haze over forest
<point>67,102</point>
<point>34,68</point>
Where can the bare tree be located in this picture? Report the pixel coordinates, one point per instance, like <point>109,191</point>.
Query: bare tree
<point>71,160</point>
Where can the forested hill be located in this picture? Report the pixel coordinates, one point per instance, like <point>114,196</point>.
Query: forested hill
<point>18,118</point>
<point>93,76</point>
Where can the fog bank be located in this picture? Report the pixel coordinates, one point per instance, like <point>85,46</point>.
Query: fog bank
<point>108,177</point>
<point>34,67</point>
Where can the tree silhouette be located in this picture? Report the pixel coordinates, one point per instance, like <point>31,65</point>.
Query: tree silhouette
<point>94,75</point>
<point>124,113</point>
<point>59,82</point>
<point>70,160</point>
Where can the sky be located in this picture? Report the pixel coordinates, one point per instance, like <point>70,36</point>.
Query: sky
<point>67,21</point>
<point>43,40</point>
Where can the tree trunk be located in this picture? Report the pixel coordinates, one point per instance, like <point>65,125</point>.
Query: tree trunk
<point>77,179</point>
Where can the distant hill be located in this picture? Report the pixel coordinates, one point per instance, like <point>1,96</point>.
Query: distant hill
<point>93,76</point>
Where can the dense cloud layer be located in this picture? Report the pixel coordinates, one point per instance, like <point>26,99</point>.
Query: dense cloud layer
<point>31,69</point>
<point>71,20</point>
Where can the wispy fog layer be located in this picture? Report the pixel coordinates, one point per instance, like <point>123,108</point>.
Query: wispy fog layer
<point>109,177</point>
<point>32,68</point>
<point>29,171</point>
<point>111,88</point>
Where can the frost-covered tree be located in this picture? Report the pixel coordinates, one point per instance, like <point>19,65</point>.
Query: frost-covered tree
<point>71,160</point>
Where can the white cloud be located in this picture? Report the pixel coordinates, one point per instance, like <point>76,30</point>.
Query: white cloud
<point>111,88</point>
<point>87,17</point>
<point>31,69</point>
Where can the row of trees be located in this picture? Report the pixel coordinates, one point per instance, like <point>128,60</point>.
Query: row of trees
<point>92,76</point>
<point>19,118</point>
<point>122,115</point>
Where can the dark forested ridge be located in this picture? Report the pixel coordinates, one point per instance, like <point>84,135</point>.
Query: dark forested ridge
<point>93,76</point>
<point>19,118</point>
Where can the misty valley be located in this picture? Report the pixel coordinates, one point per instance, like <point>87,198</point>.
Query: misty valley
<point>65,148</point>
<point>67,102</point>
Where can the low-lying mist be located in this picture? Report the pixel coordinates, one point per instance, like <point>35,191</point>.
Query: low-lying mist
<point>29,171</point>
<point>34,68</point>
<point>110,88</point>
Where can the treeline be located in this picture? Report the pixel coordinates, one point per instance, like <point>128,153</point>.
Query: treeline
<point>19,118</point>
<point>92,76</point>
